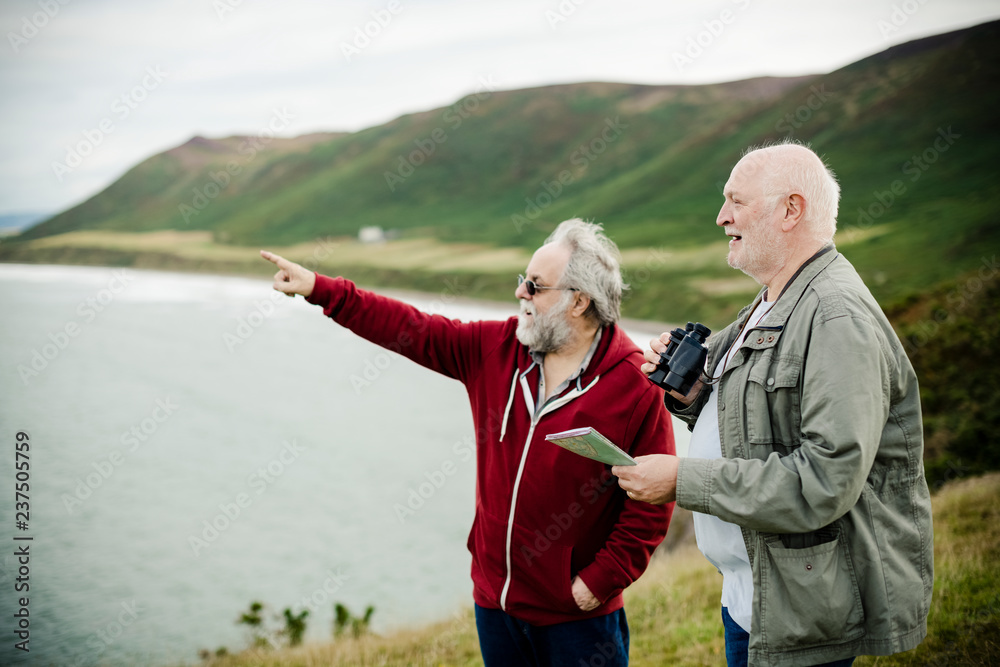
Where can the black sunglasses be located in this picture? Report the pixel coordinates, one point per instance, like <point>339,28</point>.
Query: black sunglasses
<point>533,288</point>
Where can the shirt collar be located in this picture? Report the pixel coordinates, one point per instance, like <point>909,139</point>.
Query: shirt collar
<point>539,357</point>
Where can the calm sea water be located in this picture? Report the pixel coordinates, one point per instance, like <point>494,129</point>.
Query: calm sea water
<point>196,444</point>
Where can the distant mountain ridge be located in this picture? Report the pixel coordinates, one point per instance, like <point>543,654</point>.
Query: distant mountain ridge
<point>910,131</point>
<point>20,220</point>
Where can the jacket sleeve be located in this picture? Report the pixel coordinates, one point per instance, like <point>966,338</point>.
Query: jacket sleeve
<point>640,526</point>
<point>845,393</point>
<point>687,413</point>
<point>450,347</point>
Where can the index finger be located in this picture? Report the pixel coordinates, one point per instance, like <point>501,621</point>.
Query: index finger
<point>280,261</point>
<point>658,346</point>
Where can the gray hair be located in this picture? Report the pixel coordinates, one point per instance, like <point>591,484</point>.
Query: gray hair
<point>594,268</point>
<point>805,172</point>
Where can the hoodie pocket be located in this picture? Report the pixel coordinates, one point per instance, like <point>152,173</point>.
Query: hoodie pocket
<point>542,573</point>
<point>809,597</point>
<point>486,544</point>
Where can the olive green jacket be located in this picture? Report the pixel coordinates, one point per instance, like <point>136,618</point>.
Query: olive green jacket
<point>822,467</point>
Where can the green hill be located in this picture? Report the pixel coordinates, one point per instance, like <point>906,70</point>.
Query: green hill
<point>460,172</point>
<point>910,132</point>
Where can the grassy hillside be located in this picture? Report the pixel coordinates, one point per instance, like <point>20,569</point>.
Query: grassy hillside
<point>460,171</point>
<point>910,132</point>
<point>674,608</point>
<point>950,334</point>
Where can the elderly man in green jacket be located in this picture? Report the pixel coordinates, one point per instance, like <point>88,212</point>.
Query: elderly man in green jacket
<point>805,470</point>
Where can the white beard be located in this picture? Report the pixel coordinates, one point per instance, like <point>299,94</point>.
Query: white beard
<point>761,254</point>
<point>545,332</point>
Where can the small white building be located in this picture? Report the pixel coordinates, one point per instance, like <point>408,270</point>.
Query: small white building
<point>371,235</point>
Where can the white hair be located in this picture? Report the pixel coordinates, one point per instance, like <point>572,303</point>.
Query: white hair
<point>594,268</point>
<point>791,167</point>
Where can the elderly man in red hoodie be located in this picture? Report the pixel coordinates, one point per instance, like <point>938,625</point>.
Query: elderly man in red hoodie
<point>555,540</point>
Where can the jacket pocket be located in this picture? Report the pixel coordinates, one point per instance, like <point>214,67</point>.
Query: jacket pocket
<point>773,410</point>
<point>809,597</point>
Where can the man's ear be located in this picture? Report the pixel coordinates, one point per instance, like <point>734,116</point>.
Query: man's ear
<point>795,210</point>
<point>580,305</point>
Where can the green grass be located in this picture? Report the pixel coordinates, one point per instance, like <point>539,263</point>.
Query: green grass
<point>673,609</point>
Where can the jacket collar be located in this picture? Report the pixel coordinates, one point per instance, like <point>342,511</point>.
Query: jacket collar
<point>794,289</point>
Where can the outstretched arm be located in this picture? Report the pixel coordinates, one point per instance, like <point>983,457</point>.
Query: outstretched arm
<point>447,346</point>
<point>291,278</point>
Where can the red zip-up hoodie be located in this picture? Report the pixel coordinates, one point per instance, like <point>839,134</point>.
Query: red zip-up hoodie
<point>543,514</point>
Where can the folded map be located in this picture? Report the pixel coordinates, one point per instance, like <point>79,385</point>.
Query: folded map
<point>588,442</point>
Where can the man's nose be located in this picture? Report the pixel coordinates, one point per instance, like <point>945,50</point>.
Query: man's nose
<point>724,217</point>
<point>522,292</point>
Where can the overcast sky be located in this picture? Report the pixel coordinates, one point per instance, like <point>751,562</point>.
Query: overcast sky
<point>121,80</point>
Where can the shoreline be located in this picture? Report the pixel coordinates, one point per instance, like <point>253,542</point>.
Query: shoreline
<point>402,293</point>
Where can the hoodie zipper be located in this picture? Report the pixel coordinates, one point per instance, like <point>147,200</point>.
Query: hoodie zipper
<point>524,457</point>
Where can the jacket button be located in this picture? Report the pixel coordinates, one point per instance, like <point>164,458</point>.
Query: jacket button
<point>770,382</point>
<point>770,339</point>
<point>809,566</point>
<point>722,406</point>
<point>760,340</point>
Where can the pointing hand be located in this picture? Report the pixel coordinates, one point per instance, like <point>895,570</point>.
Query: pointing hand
<point>291,278</point>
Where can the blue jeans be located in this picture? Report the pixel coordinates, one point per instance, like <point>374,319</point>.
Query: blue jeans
<point>594,642</point>
<point>738,644</point>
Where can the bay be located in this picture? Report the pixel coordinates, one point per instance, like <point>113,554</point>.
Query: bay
<point>198,442</point>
